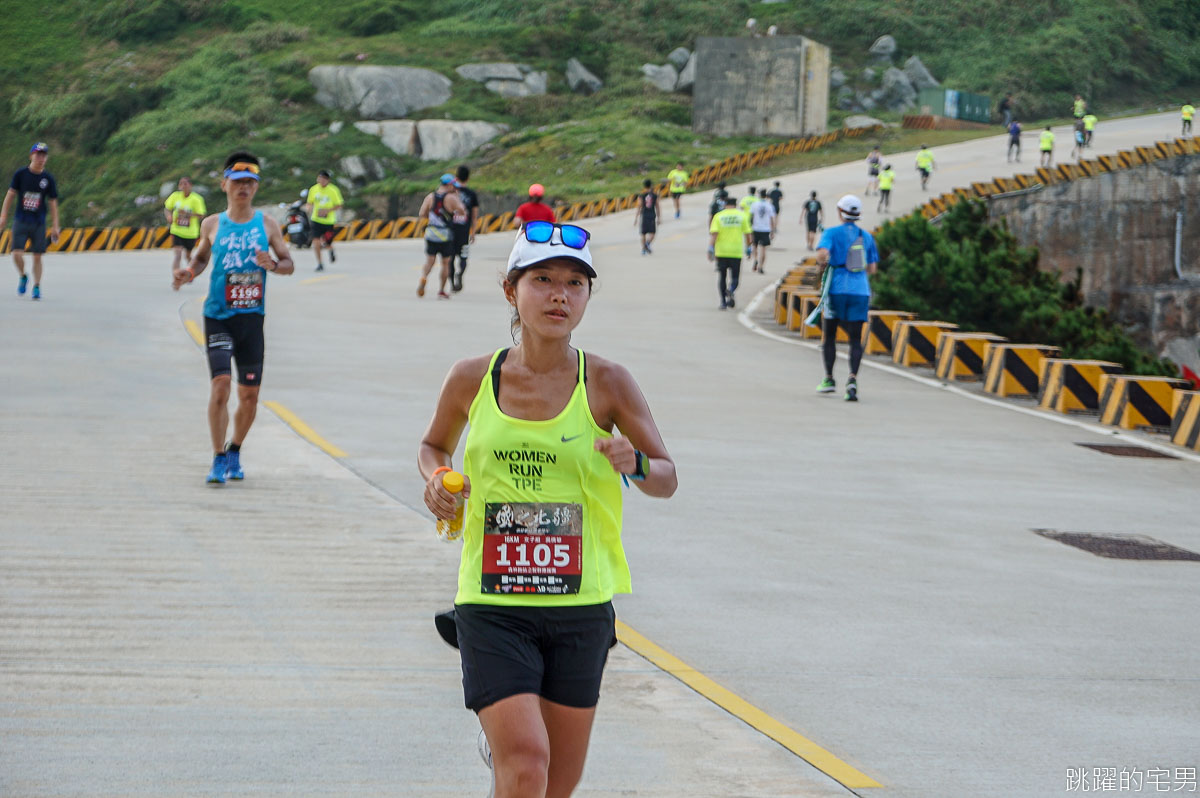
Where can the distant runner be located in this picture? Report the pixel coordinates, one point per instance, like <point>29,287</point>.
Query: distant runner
<point>1079,107</point>
<point>1006,110</point>
<point>647,214</point>
<point>1046,147</point>
<point>238,242</point>
<point>886,178</point>
<point>1014,141</point>
<point>776,196</point>
<point>874,162</point>
<point>541,556</point>
<point>184,210</point>
<point>464,226</point>
<point>438,209</point>
<point>1079,136</point>
<point>850,257</point>
<point>763,223</point>
<point>1089,128</point>
<point>535,210</point>
<point>325,200</point>
<point>678,180</point>
<point>925,166</point>
<point>814,217</point>
<point>1186,113</point>
<point>745,202</point>
<point>728,242</point>
<point>34,190</point>
<point>718,201</point>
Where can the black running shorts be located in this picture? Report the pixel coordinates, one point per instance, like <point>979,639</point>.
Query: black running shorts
<point>186,243</point>
<point>240,338</point>
<point>557,653</point>
<point>443,248</point>
<point>29,236</point>
<point>762,239</point>
<point>324,232</point>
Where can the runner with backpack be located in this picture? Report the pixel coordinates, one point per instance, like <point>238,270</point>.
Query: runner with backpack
<point>439,209</point>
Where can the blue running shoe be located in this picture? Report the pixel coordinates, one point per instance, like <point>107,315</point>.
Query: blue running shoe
<point>233,466</point>
<point>217,474</point>
<point>37,292</point>
<point>24,281</point>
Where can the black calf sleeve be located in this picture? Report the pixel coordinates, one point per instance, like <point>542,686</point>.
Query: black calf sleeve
<point>829,343</point>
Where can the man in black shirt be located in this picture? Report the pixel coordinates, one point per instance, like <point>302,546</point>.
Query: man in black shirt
<point>775,195</point>
<point>647,215</point>
<point>34,190</point>
<point>463,226</point>
<point>813,216</point>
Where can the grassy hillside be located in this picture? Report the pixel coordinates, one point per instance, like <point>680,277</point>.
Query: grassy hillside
<point>132,93</point>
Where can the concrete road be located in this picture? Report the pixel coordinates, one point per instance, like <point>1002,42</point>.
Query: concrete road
<point>864,574</point>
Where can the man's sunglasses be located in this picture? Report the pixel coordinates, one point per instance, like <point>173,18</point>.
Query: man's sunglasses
<point>241,166</point>
<point>541,232</point>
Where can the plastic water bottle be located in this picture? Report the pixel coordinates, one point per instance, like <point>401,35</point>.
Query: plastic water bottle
<point>451,528</point>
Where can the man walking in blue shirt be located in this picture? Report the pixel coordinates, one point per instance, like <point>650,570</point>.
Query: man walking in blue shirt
<point>849,254</point>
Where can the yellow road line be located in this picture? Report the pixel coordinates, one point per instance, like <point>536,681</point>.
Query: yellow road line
<point>798,744</point>
<point>305,431</point>
<point>311,280</point>
<point>194,330</point>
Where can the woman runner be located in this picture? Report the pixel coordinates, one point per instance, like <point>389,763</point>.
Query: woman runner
<point>542,553</point>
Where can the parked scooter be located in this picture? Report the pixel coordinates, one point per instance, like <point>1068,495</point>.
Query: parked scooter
<point>296,222</point>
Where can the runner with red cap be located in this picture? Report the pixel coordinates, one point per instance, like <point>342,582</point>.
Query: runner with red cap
<point>551,432</point>
<point>535,210</point>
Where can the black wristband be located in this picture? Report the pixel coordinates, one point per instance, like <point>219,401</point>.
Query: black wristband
<point>639,473</point>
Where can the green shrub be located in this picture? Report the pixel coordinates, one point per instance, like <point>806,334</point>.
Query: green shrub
<point>974,274</point>
<point>85,117</point>
<point>374,17</point>
<point>153,20</point>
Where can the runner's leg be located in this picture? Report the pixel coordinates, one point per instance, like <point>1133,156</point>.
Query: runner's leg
<point>829,343</point>
<point>722,286</point>
<point>218,411</point>
<point>37,269</point>
<point>569,730</point>
<point>247,409</point>
<point>516,733</point>
<point>444,274</point>
<point>178,256</point>
<point>19,261</point>
<point>854,330</point>
<point>317,241</point>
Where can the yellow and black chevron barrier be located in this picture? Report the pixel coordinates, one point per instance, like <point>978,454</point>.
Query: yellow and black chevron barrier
<point>1185,419</point>
<point>1130,401</point>
<point>879,330</point>
<point>1015,369</point>
<point>914,342</point>
<point>1073,386</point>
<point>960,354</point>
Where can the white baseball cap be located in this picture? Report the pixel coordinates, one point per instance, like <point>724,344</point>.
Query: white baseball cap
<point>850,205</point>
<point>526,253</point>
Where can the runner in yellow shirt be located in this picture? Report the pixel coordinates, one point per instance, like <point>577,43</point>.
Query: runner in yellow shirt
<point>924,165</point>
<point>324,201</point>
<point>729,241</point>
<point>1080,106</point>
<point>745,202</point>
<point>678,179</point>
<point>1089,127</point>
<point>886,179</point>
<point>1046,146</point>
<point>1188,111</point>
<point>184,210</point>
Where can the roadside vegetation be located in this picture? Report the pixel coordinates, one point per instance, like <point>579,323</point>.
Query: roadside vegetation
<point>133,93</point>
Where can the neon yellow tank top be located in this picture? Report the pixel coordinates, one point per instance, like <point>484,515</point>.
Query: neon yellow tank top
<point>543,525</point>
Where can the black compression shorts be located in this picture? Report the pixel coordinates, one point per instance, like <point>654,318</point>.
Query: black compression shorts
<point>557,653</point>
<point>181,241</point>
<point>240,338</point>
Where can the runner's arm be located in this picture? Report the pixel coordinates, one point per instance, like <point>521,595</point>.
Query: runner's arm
<point>275,239</point>
<point>631,416</point>
<point>474,223</point>
<point>445,428</point>
<point>54,228</point>
<point>8,200</point>
<point>425,205</point>
<point>200,255</point>
<point>169,212</point>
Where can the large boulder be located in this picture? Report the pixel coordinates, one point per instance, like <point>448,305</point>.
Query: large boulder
<point>884,48</point>
<point>859,120</point>
<point>837,78</point>
<point>920,76</point>
<point>897,92</point>
<point>447,139</point>
<point>845,98</point>
<point>678,57</point>
<point>379,92</point>
<point>532,84</point>
<point>398,135</point>
<point>482,73</point>
<point>663,78</point>
<point>358,170</point>
<point>579,79</point>
<point>687,78</point>
<point>868,75</point>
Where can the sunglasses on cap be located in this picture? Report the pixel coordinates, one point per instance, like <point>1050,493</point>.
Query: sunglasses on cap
<point>242,166</point>
<point>540,232</point>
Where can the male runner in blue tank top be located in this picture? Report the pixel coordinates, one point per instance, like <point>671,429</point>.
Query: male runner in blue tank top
<point>237,241</point>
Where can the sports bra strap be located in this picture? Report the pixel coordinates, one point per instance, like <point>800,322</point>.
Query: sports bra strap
<point>500,358</point>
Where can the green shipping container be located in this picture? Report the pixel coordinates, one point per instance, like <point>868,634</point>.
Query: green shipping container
<point>955,105</point>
